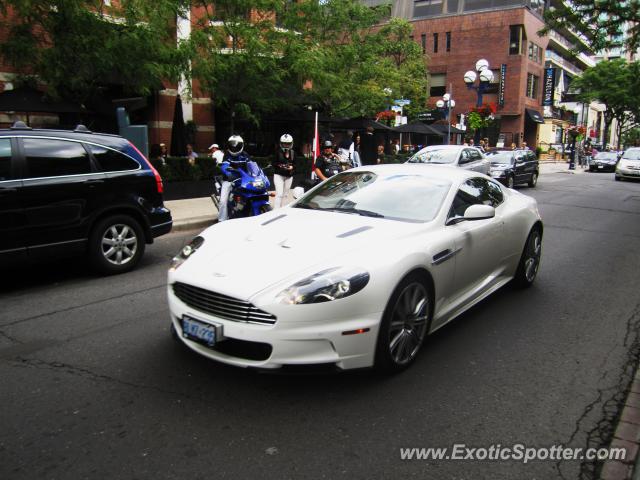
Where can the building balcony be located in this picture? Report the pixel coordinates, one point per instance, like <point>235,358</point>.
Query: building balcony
<point>560,114</point>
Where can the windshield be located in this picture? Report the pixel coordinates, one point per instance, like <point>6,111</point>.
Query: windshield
<point>500,157</point>
<point>606,156</point>
<point>403,197</point>
<point>632,154</point>
<point>439,155</point>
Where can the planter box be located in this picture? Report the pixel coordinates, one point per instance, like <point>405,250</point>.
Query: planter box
<point>188,189</point>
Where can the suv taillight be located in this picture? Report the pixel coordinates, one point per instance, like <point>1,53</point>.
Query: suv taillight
<point>155,172</point>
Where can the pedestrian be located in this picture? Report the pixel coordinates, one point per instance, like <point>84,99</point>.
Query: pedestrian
<point>328,163</point>
<point>396,147</point>
<point>486,143</point>
<point>346,149</point>
<point>163,153</point>
<point>481,146</point>
<point>234,159</point>
<point>357,160</point>
<point>369,148</point>
<point>471,142</point>
<point>524,146</point>
<point>513,146</point>
<point>216,153</point>
<point>283,169</point>
<point>191,155</point>
<point>380,156</point>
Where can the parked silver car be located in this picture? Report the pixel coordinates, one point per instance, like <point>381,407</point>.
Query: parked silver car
<point>469,158</point>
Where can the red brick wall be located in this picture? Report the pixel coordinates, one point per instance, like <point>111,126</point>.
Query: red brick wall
<point>485,35</point>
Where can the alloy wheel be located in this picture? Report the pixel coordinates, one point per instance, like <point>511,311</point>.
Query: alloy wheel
<point>408,325</point>
<point>534,253</point>
<point>119,244</point>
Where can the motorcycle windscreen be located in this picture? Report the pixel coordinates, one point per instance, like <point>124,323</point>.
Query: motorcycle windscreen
<point>253,169</point>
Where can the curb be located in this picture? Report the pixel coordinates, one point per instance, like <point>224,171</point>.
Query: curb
<point>194,223</point>
<point>627,436</point>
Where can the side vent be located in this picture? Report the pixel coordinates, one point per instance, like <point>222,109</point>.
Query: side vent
<point>353,232</point>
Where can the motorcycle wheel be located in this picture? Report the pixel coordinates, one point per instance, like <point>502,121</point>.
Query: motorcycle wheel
<point>265,208</point>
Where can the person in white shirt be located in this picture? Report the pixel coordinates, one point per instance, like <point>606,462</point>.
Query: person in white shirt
<point>216,153</point>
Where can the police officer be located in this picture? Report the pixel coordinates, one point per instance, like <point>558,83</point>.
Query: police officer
<point>283,169</point>
<point>328,163</point>
<point>234,159</point>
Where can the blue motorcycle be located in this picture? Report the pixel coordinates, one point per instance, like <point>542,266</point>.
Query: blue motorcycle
<point>249,193</point>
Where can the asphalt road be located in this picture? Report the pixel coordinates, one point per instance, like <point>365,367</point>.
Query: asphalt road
<point>92,386</point>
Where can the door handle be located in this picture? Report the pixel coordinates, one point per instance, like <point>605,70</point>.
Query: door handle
<point>93,182</point>
<point>4,191</point>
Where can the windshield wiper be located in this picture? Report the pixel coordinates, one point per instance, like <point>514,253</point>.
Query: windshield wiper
<point>364,213</point>
<point>307,206</point>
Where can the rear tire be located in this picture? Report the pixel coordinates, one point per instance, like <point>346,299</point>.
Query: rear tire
<point>404,324</point>
<point>534,180</point>
<point>265,208</point>
<point>530,259</point>
<point>618,179</point>
<point>510,181</point>
<point>116,244</point>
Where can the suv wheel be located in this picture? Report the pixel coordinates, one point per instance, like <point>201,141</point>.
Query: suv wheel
<point>116,244</point>
<point>534,180</point>
<point>510,181</point>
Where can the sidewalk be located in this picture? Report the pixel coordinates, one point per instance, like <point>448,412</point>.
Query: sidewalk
<point>200,212</point>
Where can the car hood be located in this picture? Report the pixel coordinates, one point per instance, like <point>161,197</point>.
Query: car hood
<point>242,257</point>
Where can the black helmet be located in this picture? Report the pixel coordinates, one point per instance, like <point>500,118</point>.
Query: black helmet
<point>235,145</point>
<point>327,144</point>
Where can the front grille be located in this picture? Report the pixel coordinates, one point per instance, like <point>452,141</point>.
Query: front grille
<point>221,306</point>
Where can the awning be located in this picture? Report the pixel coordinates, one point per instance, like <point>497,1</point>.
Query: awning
<point>535,115</point>
<point>417,127</point>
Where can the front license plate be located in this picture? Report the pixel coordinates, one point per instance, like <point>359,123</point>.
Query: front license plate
<point>199,331</point>
<point>600,166</point>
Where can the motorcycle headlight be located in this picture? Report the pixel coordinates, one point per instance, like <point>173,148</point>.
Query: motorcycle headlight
<point>258,184</point>
<point>325,286</point>
<point>186,252</point>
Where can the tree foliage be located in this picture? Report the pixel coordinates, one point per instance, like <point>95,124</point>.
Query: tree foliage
<point>328,54</point>
<point>616,84</point>
<point>604,23</point>
<point>76,47</point>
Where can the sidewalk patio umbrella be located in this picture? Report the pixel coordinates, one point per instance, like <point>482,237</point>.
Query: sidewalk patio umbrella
<point>361,123</point>
<point>178,132</point>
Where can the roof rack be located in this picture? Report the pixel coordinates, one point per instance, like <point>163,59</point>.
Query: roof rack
<point>19,125</point>
<point>82,129</point>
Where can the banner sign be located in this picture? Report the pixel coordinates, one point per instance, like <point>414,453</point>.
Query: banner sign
<point>549,86</point>
<point>503,77</point>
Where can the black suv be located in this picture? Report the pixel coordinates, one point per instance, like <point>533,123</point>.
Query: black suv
<point>70,192</point>
<point>513,167</point>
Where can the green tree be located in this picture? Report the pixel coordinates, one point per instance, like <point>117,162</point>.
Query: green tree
<point>76,47</point>
<point>331,54</point>
<point>616,84</point>
<point>604,23</point>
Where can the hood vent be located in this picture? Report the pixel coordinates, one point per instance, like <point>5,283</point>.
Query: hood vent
<point>353,232</point>
<point>273,220</point>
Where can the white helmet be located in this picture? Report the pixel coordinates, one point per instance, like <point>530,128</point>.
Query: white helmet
<point>286,142</point>
<point>235,145</point>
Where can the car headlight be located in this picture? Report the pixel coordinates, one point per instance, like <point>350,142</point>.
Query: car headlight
<point>258,184</point>
<point>497,172</point>
<point>325,286</point>
<point>186,252</point>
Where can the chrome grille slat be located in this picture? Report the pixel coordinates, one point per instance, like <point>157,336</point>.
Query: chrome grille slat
<point>220,305</point>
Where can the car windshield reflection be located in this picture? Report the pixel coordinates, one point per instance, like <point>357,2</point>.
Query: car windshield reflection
<point>403,197</point>
<point>440,155</point>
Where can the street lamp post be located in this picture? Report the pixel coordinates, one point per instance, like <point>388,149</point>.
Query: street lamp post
<point>446,104</point>
<point>484,77</point>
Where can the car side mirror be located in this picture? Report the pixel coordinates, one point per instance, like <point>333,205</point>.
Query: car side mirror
<point>479,212</point>
<point>297,192</point>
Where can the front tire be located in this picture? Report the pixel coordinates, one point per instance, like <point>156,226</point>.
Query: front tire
<point>265,208</point>
<point>530,259</point>
<point>618,179</point>
<point>404,325</point>
<point>116,244</point>
<point>534,180</point>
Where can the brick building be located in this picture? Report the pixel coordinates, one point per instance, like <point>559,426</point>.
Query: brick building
<point>454,34</point>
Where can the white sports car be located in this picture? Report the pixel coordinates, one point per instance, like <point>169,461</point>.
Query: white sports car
<point>354,273</point>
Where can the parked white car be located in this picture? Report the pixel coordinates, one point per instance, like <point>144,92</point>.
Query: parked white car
<point>354,273</point>
<point>629,164</point>
<point>469,158</point>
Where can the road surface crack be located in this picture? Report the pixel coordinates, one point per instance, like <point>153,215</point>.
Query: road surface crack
<point>74,307</point>
<point>88,374</point>
<point>601,434</point>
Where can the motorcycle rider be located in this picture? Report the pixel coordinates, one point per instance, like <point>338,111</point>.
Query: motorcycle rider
<point>328,163</point>
<point>283,169</point>
<point>234,159</point>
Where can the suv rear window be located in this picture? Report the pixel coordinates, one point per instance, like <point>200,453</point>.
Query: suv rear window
<point>112,160</point>
<point>55,158</point>
<point>5,159</point>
